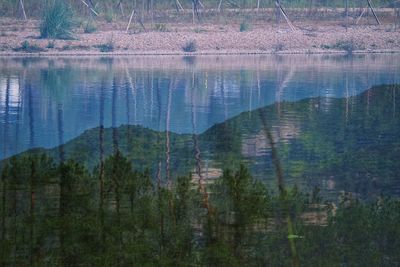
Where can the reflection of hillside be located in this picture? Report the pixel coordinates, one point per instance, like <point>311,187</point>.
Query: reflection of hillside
<point>341,148</point>
<point>222,87</point>
<point>208,173</point>
<point>256,145</point>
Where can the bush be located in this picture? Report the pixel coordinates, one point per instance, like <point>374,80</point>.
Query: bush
<point>51,44</point>
<point>107,47</point>
<point>199,30</point>
<point>28,48</point>
<point>244,26</point>
<point>109,16</point>
<point>89,27</point>
<point>278,47</point>
<point>348,46</point>
<point>160,27</point>
<point>57,21</point>
<point>190,46</point>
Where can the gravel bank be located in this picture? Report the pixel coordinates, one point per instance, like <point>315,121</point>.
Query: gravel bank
<point>261,38</point>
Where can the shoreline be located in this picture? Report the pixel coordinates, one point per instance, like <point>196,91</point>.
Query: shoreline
<point>185,54</point>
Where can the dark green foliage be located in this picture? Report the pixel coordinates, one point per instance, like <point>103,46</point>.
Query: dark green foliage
<point>244,26</point>
<point>89,27</point>
<point>319,145</point>
<point>51,44</point>
<point>51,214</point>
<point>349,46</point>
<point>190,46</point>
<point>107,47</point>
<point>161,27</point>
<point>57,21</point>
<point>60,214</point>
<point>28,48</point>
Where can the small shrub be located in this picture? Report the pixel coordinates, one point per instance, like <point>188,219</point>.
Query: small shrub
<point>57,21</point>
<point>325,46</point>
<point>278,47</point>
<point>107,47</point>
<point>74,47</point>
<point>348,46</point>
<point>66,47</point>
<point>199,30</point>
<point>109,16</point>
<point>244,26</point>
<point>190,46</point>
<point>160,27</point>
<point>51,44</point>
<point>89,27</point>
<point>28,48</point>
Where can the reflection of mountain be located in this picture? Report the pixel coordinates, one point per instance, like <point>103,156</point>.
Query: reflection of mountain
<point>352,145</point>
<point>137,91</point>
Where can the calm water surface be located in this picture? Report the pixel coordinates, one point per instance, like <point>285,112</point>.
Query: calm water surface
<point>45,102</point>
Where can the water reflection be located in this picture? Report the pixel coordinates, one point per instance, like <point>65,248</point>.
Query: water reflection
<point>326,128</point>
<point>157,92</point>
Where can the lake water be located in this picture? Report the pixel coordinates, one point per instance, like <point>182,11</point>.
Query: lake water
<point>45,102</point>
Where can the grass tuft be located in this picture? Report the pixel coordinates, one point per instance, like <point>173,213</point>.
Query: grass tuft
<point>346,45</point>
<point>57,21</point>
<point>190,46</point>
<point>109,16</point>
<point>28,48</point>
<point>244,26</point>
<point>89,27</point>
<point>161,27</point>
<point>51,44</point>
<point>107,47</point>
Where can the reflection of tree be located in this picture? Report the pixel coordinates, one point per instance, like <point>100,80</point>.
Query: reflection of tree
<point>133,89</point>
<point>7,117</point>
<point>167,134</point>
<point>114,116</point>
<point>101,166</point>
<point>60,129</point>
<point>31,117</point>
<point>281,186</point>
<point>196,146</point>
<point>19,111</point>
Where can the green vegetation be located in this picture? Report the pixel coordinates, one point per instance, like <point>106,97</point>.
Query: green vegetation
<point>160,27</point>
<point>346,45</point>
<point>190,46</point>
<point>326,138</point>
<point>89,27</point>
<point>28,48</point>
<point>107,47</point>
<point>109,16</point>
<point>61,214</point>
<point>102,204</point>
<point>278,47</point>
<point>51,44</point>
<point>244,26</point>
<point>57,21</point>
<point>68,47</point>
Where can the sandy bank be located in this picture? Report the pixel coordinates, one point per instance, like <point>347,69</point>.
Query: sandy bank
<point>261,38</point>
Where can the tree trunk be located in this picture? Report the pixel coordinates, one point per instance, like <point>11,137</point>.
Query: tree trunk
<point>21,2</point>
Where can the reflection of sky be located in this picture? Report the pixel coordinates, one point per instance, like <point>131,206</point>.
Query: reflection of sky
<point>30,107</point>
<point>12,92</point>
